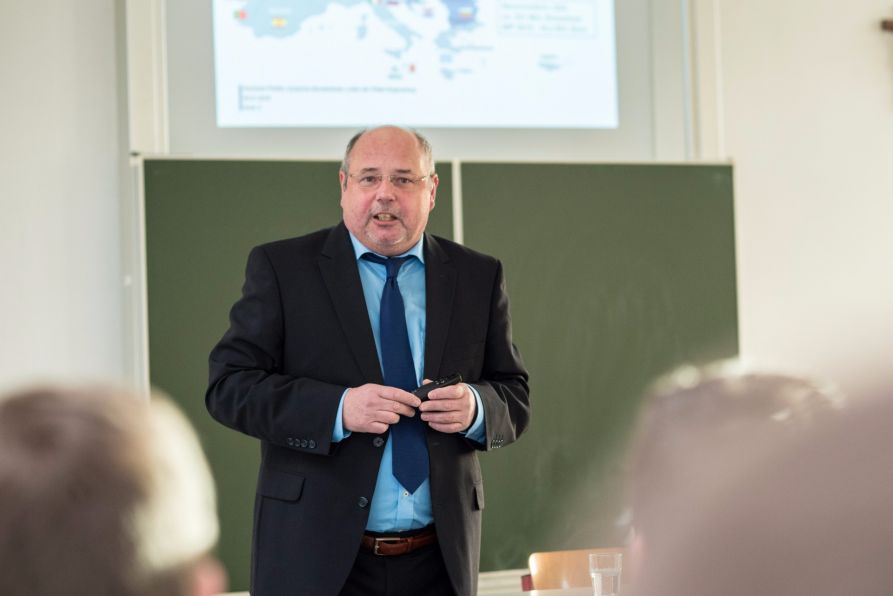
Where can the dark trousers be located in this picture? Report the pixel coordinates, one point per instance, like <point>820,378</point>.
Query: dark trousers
<point>419,573</point>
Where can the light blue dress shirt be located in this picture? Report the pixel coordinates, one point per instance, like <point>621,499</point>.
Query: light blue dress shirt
<point>393,508</point>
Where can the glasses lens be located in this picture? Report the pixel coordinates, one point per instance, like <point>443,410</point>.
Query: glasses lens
<point>401,182</point>
<point>369,181</point>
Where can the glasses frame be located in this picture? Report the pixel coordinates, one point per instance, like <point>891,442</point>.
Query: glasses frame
<point>391,178</point>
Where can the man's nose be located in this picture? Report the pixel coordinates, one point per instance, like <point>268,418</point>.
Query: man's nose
<point>385,191</point>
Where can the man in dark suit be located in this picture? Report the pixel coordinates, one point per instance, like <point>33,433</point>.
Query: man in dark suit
<point>364,488</point>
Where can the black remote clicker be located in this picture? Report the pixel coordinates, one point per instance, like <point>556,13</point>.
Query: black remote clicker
<point>423,391</point>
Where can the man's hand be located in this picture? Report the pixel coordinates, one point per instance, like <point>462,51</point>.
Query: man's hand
<point>373,408</point>
<point>449,409</point>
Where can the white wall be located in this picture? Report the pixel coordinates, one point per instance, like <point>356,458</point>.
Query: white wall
<point>807,103</point>
<point>803,93</point>
<point>61,155</point>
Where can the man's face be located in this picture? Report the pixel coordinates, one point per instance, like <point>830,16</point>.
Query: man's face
<point>386,219</point>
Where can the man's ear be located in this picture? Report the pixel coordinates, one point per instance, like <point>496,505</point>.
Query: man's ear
<point>435,183</point>
<point>342,180</point>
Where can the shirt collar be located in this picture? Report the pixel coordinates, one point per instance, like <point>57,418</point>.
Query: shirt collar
<point>416,251</point>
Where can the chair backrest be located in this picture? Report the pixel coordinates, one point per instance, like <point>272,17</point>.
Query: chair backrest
<point>494,583</point>
<point>564,568</point>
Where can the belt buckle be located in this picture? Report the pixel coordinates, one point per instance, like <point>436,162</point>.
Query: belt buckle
<point>378,541</point>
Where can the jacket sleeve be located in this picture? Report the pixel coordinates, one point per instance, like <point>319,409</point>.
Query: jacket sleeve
<point>503,384</point>
<point>247,390</point>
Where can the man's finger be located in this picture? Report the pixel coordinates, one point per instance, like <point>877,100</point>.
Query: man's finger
<point>441,405</point>
<point>398,395</point>
<point>441,417</point>
<point>446,428</point>
<point>445,404</point>
<point>397,408</point>
<point>377,428</point>
<point>450,392</point>
<point>387,417</point>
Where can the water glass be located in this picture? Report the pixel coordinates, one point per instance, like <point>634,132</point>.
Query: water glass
<point>604,568</point>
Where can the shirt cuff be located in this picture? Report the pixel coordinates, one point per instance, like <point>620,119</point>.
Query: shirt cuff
<point>477,432</point>
<point>338,432</point>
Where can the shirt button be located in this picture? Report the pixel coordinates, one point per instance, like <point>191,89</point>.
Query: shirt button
<point>378,441</point>
<point>362,502</point>
<point>406,493</point>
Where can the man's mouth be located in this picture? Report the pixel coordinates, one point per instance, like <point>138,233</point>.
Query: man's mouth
<point>384,217</point>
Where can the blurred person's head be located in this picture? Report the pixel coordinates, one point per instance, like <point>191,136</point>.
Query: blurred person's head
<point>104,494</point>
<point>808,517</point>
<point>694,419</point>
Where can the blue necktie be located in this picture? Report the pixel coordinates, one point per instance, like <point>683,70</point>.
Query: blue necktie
<point>409,450</point>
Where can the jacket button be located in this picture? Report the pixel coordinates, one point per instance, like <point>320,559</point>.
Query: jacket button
<point>363,502</point>
<point>304,443</point>
<point>378,441</point>
<point>312,444</point>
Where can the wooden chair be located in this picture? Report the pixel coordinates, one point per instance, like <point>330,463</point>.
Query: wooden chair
<point>495,583</point>
<point>563,568</point>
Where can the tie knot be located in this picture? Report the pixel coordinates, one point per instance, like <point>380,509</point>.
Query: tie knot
<point>393,264</point>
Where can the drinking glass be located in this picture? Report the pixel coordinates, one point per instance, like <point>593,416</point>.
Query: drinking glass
<point>604,568</point>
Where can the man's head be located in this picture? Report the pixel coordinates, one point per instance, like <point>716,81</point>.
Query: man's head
<point>388,186</point>
<point>696,419</point>
<point>810,516</point>
<point>102,493</point>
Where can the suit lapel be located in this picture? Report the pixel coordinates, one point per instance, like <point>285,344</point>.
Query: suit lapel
<point>338,264</point>
<point>440,287</point>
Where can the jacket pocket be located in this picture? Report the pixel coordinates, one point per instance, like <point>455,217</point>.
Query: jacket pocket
<point>280,485</point>
<point>479,495</point>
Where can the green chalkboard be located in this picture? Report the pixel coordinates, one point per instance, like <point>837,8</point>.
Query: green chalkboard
<point>616,273</point>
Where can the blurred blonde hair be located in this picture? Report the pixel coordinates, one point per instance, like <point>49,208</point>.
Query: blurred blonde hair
<point>101,493</point>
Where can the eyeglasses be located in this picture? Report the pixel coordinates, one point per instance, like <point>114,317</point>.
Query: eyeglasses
<point>370,181</point>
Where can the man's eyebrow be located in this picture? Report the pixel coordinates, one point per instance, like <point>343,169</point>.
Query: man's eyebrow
<point>374,170</point>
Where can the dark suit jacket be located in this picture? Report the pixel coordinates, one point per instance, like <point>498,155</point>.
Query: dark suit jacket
<point>298,337</point>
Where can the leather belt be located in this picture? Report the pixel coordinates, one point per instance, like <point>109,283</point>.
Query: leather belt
<point>388,546</point>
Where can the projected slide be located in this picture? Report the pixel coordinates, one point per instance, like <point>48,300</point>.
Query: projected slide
<point>426,63</point>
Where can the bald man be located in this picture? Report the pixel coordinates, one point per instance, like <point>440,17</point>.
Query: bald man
<point>363,487</point>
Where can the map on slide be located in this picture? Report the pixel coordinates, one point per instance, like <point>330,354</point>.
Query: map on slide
<point>425,63</point>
